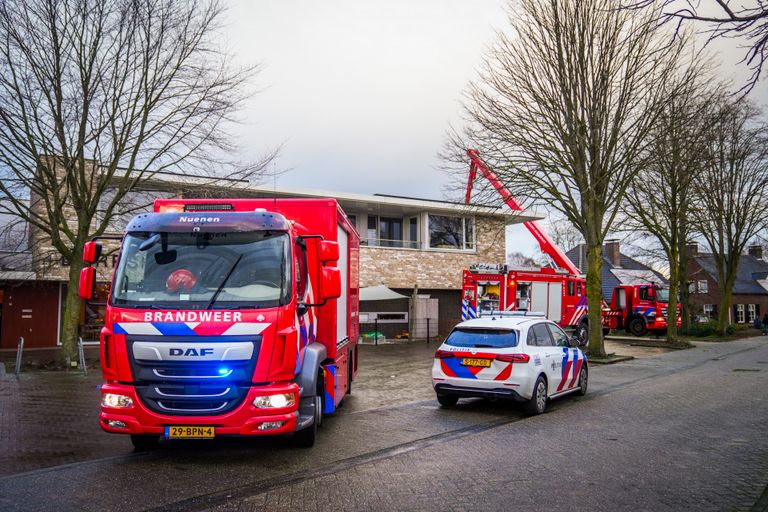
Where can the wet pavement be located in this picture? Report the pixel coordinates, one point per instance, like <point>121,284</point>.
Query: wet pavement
<point>654,433</point>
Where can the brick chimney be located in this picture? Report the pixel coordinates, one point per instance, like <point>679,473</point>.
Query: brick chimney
<point>756,251</point>
<point>692,250</point>
<point>612,251</point>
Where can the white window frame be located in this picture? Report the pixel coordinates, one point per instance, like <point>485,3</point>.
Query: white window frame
<point>740,318</point>
<point>464,219</point>
<point>709,310</point>
<point>703,286</point>
<point>751,313</point>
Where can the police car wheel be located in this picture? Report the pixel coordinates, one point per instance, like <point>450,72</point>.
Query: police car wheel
<point>143,443</point>
<point>538,402</point>
<point>583,380</point>
<point>447,400</point>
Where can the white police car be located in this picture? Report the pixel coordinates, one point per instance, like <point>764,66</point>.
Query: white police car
<point>522,357</point>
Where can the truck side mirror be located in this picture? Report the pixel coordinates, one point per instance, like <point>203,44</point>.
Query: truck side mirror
<point>87,283</point>
<point>330,284</point>
<point>328,251</point>
<point>91,252</point>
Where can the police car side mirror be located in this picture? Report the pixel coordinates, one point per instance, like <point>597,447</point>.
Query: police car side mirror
<point>575,341</point>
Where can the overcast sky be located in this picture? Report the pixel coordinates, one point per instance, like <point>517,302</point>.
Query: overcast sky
<point>362,91</point>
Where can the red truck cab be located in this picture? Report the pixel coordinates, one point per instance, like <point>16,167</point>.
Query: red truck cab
<point>638,309</point>
<point>229,317</point>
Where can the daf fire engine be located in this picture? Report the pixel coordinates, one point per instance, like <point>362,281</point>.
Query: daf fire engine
<point>229,317</point>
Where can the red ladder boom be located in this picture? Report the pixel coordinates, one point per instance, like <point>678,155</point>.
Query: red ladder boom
<point>546,243</point>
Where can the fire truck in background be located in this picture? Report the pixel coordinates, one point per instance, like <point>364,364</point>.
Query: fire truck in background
<point>488,288</point>
<point>638,309</point>
<point>559,293</point>
<point>229,317</point>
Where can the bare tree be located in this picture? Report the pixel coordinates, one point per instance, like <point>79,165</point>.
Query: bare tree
<point>722,19</point>
<point>96,97</point>
<point>657,201</point>
<point>563,233</point>
<point>563,107</point>
<point>731,193</point>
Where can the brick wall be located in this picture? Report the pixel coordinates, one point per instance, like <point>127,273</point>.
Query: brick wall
<point>432,269</point>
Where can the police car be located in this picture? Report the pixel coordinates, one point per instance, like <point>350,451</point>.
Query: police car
<point>523,357</point>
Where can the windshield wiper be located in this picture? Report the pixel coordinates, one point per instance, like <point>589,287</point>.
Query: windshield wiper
<point>221,286</point>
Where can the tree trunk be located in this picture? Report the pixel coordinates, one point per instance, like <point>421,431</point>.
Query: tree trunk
<point>725,307</point>
<point>674,283</point>
<point>682,275</point>
<point>594,299</point>
<point>72,305</point>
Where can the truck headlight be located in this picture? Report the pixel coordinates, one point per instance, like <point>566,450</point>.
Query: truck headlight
<point>116,401</point>
<point>274,401</point>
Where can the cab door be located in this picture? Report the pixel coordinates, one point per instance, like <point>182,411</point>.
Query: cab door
<point>551,356</point>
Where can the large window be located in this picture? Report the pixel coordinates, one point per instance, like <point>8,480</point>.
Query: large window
<point>740,313</point>
<point>703,286</point>
<point>709,311</point>
<point>451,232</point>
<point>392,232</point>
<point>751,312</point>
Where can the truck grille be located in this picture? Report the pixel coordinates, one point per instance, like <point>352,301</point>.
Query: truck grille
<point>191,387</point>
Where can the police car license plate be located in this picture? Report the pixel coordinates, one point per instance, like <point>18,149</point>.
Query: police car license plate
<point>474,361</point>
<point>189,432</point>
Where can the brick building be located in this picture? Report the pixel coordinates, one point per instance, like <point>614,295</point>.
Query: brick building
<point>407,244</point>
<point>750,292</point>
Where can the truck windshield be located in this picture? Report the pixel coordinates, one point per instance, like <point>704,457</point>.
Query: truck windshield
<point>482,338</point>
<point>203,270</point>
<point>662,294</point>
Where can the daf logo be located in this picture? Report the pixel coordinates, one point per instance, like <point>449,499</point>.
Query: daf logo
<point>190,352</point>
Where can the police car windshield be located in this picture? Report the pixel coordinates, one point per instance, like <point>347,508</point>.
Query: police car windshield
<point>186,270</point>
<point>482,338</point>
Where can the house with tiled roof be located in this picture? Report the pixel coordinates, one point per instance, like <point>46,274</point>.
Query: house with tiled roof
<point>750,291</point>
<point>618,268</point>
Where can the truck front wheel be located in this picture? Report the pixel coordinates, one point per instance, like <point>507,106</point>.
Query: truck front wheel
<point>143,443</point>
<point>582,332</point>
<point>305,438</point>
<point>637,327</point>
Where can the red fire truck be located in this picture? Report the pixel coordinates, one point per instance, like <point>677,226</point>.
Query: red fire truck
<point>229,317</point>
<point>638,309</point>
<point>560,293</point>
<point>562,297</point>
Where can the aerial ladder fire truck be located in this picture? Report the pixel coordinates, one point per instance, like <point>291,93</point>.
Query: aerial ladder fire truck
<point>560,293</point>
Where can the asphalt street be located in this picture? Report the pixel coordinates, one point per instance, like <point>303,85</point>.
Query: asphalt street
<point>683,430</point>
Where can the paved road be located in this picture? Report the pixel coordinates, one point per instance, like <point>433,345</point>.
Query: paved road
<point>683,430</point>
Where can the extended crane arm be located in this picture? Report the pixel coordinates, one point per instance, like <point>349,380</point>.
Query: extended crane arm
<point>546,243</point>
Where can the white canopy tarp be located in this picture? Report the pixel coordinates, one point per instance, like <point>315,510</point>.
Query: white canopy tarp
<point>379,292</point>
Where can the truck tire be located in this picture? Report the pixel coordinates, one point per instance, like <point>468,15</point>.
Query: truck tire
<point>582,332</point>
<point>637,327</point>
<point>305,438</point>
<point>144,443</point>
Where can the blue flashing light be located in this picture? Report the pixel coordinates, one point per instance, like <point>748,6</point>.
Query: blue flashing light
<point>224,371</point>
